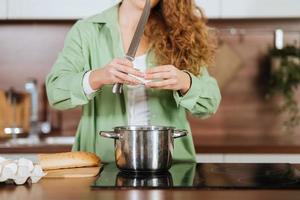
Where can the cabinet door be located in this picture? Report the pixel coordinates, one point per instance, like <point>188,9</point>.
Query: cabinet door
<point>260,8</point>
<point>3,9</point>
<point>56,9</point>
<point>212,8</point>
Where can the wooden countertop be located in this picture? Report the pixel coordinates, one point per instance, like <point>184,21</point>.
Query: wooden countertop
<point>79,188</point>
<point>289,144</point>
<point>35,148</point>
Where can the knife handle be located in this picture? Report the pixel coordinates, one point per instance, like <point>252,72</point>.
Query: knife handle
<point>118,87</point>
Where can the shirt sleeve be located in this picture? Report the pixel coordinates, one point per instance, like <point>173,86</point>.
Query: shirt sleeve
<point>88,90</point>
<point>203,98</point>
<point>64,84</point>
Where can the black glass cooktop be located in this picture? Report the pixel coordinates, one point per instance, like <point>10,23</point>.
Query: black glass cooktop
<point>208,175</point>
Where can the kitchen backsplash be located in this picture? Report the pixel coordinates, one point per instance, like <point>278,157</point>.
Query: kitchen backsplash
<point>29,48</point>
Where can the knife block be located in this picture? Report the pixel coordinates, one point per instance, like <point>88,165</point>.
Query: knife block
<point>21,117</point>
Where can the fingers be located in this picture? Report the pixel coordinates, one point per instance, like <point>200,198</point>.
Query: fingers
<point>125,66</point>
<point>129,70</point>
<point>158,69</point>
<point>162,84</point>
<point>125,78</point>
<point>117,80</point>
<point>161,75</point>
<point>165,72</point>
<point>123,61</point>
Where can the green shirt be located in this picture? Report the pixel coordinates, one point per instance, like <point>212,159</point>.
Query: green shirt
<point>94,42</point>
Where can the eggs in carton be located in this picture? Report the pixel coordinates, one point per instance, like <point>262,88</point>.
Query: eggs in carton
<point>20,171</point>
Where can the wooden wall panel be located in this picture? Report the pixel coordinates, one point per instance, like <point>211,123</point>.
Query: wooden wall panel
<point>244,111</point>
<point>29,49</point>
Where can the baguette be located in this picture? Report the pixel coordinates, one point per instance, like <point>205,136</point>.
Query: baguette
<point>68,160</point>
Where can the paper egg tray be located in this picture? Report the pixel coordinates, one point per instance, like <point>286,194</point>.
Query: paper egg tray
<point>19,171</point>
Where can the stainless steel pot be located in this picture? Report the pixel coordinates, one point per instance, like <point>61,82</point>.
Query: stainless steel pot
<point>144,148</point>
<point>144,180</point>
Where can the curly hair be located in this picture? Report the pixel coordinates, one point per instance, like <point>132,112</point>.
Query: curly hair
<point>178,35</point>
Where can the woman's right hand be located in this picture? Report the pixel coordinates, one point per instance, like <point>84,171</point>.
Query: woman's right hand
<point>115,72</point>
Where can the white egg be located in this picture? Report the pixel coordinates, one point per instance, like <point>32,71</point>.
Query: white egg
<point>25,162</point>
<point>23,171</point>
<point>144,81</point>
<point>2,162</point>
<point>10,170</point>
<point>19,171</point>
<point>20,180</point>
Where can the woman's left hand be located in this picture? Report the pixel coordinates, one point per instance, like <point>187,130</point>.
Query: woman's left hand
<point>172,78</point>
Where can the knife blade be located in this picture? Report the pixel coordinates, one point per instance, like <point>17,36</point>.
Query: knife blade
<point>130,55</point>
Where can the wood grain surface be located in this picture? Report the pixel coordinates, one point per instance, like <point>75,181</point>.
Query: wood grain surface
<point>243,114</point>
<point>78,189</point>
<point>81,172</point>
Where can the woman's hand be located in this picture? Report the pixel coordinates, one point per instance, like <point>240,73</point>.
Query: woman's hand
<point>115,72</point>
<point>172,78</point>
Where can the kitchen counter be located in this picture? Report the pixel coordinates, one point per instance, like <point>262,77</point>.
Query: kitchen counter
<point>79,188</point>
<point>44,144</point>
<point>203,144</point>
<point>256,144</point>
<point>36,148</point>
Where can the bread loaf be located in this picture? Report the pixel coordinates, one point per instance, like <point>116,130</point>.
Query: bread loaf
<point>68,160</point>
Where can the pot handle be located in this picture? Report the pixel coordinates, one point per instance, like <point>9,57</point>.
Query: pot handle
<point>110,134</point>
<point>179,133</point>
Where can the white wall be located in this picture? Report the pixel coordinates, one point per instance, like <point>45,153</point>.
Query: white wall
<point>74,9</point>
<point>3,9</point>
<point>56,9</point>
<point>212,8</point>
<point>260,8</point>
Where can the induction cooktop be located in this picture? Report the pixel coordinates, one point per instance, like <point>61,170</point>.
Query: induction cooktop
<point>205,175</point>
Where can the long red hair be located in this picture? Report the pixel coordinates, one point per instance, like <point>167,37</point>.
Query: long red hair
<point>178,35</point>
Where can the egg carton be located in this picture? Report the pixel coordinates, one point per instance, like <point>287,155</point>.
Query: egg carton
<point>20,171</point>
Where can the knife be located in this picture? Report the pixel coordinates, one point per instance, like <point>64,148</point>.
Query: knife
<point>130,55</point>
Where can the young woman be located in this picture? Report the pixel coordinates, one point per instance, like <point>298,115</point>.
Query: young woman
<point>175,50</point>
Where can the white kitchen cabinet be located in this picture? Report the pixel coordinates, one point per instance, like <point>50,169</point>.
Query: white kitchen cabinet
<point>3,9</point>
<point>260,8</point>
<point>56,9</point>
<point>212,8</point>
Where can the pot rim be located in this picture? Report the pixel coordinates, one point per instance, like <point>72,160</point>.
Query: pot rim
<point>143,128</point>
